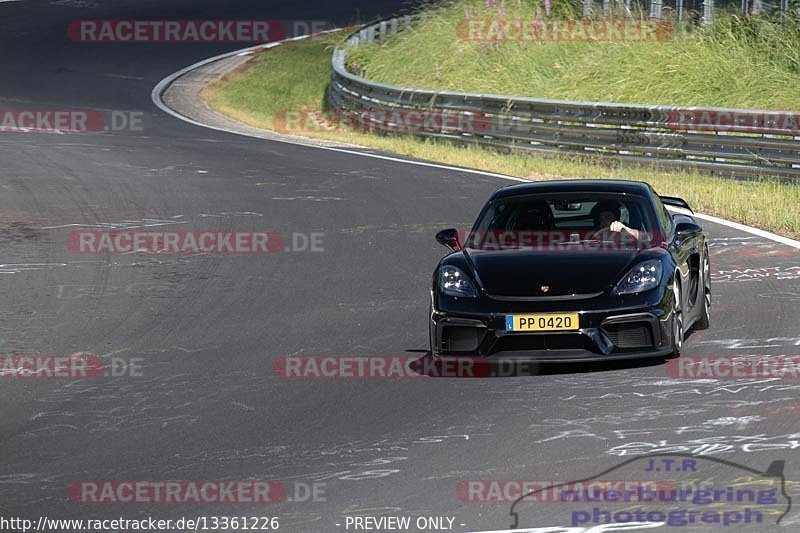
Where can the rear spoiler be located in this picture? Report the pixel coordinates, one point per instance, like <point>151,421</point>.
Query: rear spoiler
<point>675,202</point>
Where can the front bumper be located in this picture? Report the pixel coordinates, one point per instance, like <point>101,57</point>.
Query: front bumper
<point>622,332</point>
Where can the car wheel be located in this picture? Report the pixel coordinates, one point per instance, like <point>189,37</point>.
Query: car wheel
<point>705,317</point>
<point>677,318</point>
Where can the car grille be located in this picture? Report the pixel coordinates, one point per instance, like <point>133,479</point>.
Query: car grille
<point>523,342</point>
<point>630,335</point>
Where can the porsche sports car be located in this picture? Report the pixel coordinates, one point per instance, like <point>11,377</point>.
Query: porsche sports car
<point>568,271</point>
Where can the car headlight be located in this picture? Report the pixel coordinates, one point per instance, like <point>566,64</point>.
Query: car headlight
<point>453,282</point>
<point>642,277</point>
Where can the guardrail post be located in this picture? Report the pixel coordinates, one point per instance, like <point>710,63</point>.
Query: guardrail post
<point>679,10</point>
<point>383,30</point>
<point>587,8</point>
<point>606,7</point>
<point>708,11</point>
<point>393,25</point>
<point>655,9</point>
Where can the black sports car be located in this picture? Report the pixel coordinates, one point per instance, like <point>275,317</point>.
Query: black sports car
<point>578,270</point>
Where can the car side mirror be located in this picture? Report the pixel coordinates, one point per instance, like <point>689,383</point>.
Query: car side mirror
<point>449,238</point>
<point>687,229</point>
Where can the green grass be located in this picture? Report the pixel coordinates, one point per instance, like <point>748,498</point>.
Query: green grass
<point>289,77</point>
<point>750,63</point>
<point>295,76</point>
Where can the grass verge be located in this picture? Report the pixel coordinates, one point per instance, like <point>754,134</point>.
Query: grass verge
<point>748,62</point>
<point>295,76</point>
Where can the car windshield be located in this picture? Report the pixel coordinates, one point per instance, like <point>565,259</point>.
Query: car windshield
<point>563,219</point>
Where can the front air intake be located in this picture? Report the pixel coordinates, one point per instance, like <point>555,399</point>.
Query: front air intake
<point>631,335</point>
<point>461,338</point>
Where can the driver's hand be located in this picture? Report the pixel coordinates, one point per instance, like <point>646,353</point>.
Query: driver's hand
<point>617,226</point>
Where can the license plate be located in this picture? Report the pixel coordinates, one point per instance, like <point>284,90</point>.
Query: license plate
<point>548,322</point>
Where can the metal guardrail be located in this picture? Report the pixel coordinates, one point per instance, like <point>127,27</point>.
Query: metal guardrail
<point>731,142</point>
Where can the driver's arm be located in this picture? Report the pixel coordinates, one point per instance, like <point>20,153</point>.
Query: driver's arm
<point>618,226</point>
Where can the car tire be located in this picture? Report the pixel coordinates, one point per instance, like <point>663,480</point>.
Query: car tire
<point>704,322</point>
<point>678,329</point>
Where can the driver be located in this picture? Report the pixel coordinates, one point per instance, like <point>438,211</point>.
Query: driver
<point>606,215</point>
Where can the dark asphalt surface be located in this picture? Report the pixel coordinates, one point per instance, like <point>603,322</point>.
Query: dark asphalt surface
<point>207,329</point>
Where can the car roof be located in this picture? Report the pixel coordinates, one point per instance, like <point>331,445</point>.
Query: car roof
<point>638,188</point>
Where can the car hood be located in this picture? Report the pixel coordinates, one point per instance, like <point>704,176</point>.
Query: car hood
<point>517,273</point>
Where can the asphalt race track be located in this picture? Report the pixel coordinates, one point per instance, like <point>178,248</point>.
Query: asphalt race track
<point>206,329</point>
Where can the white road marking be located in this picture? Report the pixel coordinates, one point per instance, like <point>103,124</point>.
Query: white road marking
<point>741,227</point>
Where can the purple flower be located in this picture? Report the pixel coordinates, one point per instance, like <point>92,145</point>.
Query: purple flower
<point>537,24</point>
